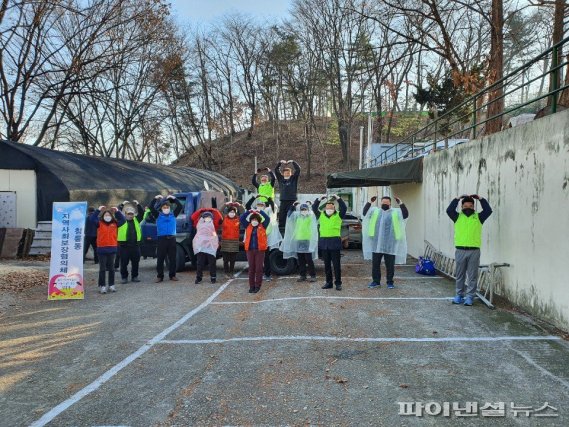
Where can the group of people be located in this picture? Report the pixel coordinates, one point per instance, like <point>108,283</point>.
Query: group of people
<point>311,229</point>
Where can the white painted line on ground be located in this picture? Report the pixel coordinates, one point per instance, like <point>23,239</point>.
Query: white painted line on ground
<point>540,368</point>
<point>49,416</point>
<point>333,298</point>
<point>386,339</point>
<point>361,278</point>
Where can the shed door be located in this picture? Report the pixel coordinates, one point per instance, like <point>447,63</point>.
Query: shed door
<point>7,209</point>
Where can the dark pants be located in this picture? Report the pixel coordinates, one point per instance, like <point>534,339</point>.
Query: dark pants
<point>255,259</point>
<point>283,210</point>
<point>267,264</point>
<point>376,267</point>
<point>90,241</point>
<point>130,253</point>
<point>229,261</point>
<point>106,262</point>
<point>332,258</point>
<point>166,247</point>
<point>305,260</point>
<point>202,259</point>
<point>118,257</point>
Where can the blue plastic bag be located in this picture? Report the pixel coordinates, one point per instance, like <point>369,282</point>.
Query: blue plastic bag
<point>426,266</point>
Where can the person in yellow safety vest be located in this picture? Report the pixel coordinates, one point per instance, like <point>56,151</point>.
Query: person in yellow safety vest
<point>467,241</point>
<point>129,238</point>
<point>266,187</point>
<point>330,240</point>
<point>301,239</point>
<point>383,236</point>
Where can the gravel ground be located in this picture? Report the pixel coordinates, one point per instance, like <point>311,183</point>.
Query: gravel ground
<point>293,354</point>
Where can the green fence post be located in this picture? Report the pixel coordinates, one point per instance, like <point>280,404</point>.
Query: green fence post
<point>555,80</point>
<point>473,132</point>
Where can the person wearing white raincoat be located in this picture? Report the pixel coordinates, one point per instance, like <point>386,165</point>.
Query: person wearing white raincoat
<point>205,244</point>
<point>383,236</point>
<point>274,236</point>
<point>301,239</point>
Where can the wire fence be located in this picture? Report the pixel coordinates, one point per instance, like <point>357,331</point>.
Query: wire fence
<point>523,94</point>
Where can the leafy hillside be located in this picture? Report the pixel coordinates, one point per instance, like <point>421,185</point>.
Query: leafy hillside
<point>235,157</point>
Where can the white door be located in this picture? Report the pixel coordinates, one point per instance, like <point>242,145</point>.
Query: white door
<point>8,209</point>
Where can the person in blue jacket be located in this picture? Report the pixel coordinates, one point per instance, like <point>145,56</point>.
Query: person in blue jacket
<point>91,224</point>
<point>166,232</point>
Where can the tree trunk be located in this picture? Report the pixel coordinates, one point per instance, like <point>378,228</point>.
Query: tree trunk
<point>496,68</point>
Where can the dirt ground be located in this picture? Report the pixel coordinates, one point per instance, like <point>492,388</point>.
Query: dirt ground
<point>178,354</point>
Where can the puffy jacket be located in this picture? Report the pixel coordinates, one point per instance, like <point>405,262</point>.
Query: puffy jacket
<point>230,228</point>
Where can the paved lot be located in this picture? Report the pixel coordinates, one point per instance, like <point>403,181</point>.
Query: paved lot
<point>293,354</point>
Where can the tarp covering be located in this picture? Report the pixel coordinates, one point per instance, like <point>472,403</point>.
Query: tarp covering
<point>67,177</point>
<point>394,173</point>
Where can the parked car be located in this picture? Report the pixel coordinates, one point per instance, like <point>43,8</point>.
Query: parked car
<point>351,232</point>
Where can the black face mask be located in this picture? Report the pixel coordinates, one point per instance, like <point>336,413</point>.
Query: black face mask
<point>468,211</point>
<point>385,207</point>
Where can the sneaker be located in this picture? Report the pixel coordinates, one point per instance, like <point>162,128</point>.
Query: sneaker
<point>266,278</point>
<point>112,288</point>
<point>301,279</point>
<point>390,286</point>
<point>174,279</point>
<point>338,287</point>
<point>458,300</point>
<point>103,289</point>
<point>135,279</point>
<point>374,285</point>
<point>159,279</point>
<point>468,301</point>
<point>256,290</point>
<point>198,280</point>
<point>125,280</point>
<point>213,280</point>
<point>327,286</point>
<point>312,279</point>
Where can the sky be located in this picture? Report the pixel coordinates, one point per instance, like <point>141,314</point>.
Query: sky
<point>205,12</point>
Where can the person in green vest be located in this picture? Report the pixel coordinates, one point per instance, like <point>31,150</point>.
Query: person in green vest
<point>301,239</point>
<point>266,186</point>
<point>467,241</point>
<point>383,236</point>
<point>330,241</point>
<point>129,238</point>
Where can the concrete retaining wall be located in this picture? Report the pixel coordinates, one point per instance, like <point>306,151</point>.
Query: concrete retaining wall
<point>524,173</point>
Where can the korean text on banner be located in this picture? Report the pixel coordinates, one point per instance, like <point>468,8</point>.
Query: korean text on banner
<point>66,267</point>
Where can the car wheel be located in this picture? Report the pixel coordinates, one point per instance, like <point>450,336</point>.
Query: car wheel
<point>281,266</point>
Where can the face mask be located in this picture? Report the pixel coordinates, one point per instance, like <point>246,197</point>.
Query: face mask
<point>231,214</point>
<point>329,212</point>
<point>468,211</point>
<point>385,207</point>
<point>207,219</point>
<point>166,211</point>
<point>254,223</point>
<point>108,218</point>
<point>286,177</point>
<point>261,207</point>
<point>304,213</point>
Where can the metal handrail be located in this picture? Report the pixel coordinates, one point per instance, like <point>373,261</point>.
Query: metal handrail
<point>552,72</point>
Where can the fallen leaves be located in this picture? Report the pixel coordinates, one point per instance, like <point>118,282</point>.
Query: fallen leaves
<point>18,281</point>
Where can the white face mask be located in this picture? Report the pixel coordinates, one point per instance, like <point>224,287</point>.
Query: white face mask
<point>207,219</point>
<point>166,211</point>
<point>254,223</point>
<point>329,212</point>
<point>304,213</point>
<point>108,218</point>
<point>231,214</point>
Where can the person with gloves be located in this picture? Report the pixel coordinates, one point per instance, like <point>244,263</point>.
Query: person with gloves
<point>301,239</point>
<point>205,244</point>
<point>256,244</point>
<point>230,229</point>
<point>266,186</point>
<point>107,231</point>
<point>166,231</point>
<point>129,238</point>
<point>467,241</point>
<point>383,237</point>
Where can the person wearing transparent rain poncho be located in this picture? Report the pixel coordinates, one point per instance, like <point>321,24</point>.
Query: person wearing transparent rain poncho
<point>274,236</point>
<point>205,246</point>
<point>383,236</point>
<point>301,239</point>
